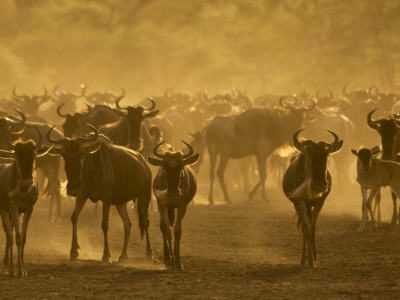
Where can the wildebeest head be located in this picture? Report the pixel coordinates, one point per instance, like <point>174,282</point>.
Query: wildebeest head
<point>316,156</point>
<point>135,116</point>
<point>359,95</point>
<point>74,122</point>
<point>24,153</point>
<point>29,104</point>
<point>173,163</point>
<point>387,129</point>
<point>73,151</point>
<point>365,156</point>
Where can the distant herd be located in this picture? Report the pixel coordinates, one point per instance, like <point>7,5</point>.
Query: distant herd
<point>109,153</point>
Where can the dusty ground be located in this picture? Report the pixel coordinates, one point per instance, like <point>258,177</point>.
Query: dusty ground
<point>243,251</point>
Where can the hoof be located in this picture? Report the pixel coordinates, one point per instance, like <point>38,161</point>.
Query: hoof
<point>73,254</point>
<point>178,266</point>
<point>122,259</point>
<point>149,254</point>
<point>106,259</point>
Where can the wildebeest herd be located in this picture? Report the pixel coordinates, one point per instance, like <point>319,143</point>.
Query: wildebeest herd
<point>109,153</point>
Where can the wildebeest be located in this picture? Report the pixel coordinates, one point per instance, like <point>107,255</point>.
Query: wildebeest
<point>257,131</point>
<point>307,182</point>
<point>99,170</point>
<point>372,174</point>
<point>174,187</point>
<point>48,165</point>
<point>388,130</point>
<point>128,130</point>
<point>18,194</point>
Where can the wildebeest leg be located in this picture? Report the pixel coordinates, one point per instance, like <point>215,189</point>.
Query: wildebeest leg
<point>178,234</point>
<point>122,210</point>
<point>261,163</point>
<point>369,205</point>
<point>220,172</point>
<point>27,216</point>
<point>378,206</point>
<point>8,256</point>
<point>394,217</point>
<point>166,232</point>
<point>18,239</point>
<point>364,212</point>
<point>79,204</point>
<point>306,226</point>
<point>314,215</point>
<point>213,162</point>
<point>104,226</point>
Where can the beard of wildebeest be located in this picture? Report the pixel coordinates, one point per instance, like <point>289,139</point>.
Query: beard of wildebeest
<point>73,158</point>
<point>25,156</point>
<point>316,159</point>
<point>135,118</point>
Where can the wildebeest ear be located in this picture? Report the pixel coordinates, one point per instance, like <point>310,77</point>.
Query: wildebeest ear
<point>151,114</point>
<point>7,154</point>
<point>43,151</point>
<point>191,160</point>
<point>55,151</point>
<point>155,161</point>
<point>354,152</point>
<point>92,148</point>
<point>335,147</point>
<point>375,151</point>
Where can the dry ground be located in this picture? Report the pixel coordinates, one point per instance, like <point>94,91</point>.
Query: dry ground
<point>243,251</point>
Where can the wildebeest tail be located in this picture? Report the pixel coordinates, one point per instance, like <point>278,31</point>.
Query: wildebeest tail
<point>141,220</point>
<point>171,216</point>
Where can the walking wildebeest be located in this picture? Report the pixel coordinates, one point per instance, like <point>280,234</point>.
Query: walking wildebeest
<point>99,170</point>
<point>373,173</point>
<point>174,187</point>
<point>257,131</point>
<point>18,194</point>
<point>307,182</point>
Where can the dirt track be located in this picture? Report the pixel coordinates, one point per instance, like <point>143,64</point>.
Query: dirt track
<point>229,252</point>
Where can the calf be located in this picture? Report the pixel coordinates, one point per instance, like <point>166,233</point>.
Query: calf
<point>307,182</point>
<point>18,194</point>
<point>372,174</point>
<point>174,187</point>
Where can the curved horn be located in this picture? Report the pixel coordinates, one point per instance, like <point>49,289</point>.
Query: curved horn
<point>281,103</point>
<point>297,143</point>
<point>9,144</point>
<point>190,150</point>
<point>155,150</point>
<point>88,112</point>
<point>89,139</point>
<point>15,121</point>
<point>123,93</point>
<point>40,142</point>
<point>59,111</point>
<point>336,144</point>
<point>371,123</point>
<point>153,104</point>
<point>344,90</point>
<point>51,140</point>
<point>18,96</point>
<point>117,104</point>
